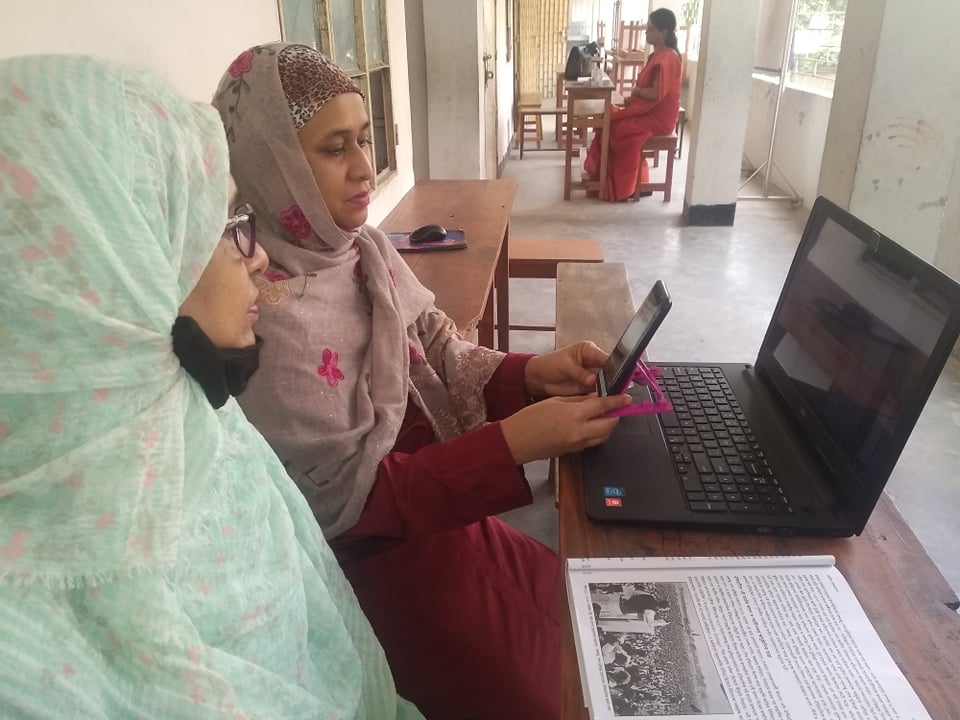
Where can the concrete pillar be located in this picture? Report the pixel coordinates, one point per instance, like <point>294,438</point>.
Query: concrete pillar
<point>774,18</point>
<point>454,88</point>
<point>722,99</point>
<point>892,154</point>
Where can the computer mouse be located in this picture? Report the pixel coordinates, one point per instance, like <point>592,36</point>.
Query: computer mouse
<point>427,234</point>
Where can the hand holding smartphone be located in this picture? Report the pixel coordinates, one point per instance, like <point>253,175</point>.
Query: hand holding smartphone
<point>615,376</point>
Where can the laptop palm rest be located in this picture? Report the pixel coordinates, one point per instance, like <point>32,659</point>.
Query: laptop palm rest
<point>650,483</point>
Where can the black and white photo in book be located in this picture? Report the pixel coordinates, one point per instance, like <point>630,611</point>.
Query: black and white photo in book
<point>729,638</point>
<point>655,658</point>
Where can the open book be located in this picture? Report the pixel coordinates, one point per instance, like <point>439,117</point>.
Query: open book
<point>743,637</point>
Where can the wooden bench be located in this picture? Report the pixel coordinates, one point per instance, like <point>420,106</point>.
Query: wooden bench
<point>578,297</point>
<point>651,150</point>
<point>538,258</point>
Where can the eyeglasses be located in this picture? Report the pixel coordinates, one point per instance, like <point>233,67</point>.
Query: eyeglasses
<point>243,228</point>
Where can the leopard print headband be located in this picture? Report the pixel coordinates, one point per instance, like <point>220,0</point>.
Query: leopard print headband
<point>310,81</point>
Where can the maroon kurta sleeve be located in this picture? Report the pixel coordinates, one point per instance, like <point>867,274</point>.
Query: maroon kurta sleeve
<point>506,392</point>
<point>424,486</point>
<point>442,485</point>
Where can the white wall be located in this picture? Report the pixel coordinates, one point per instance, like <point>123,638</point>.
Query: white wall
<point>801,135</point>
<point>390,193</point>
<point>417,69</point>
<point>947,257</point>
<point>504,81</point>
<point>452,33</point>
<point>446,87</point>
<point>188,43</point>
<point>912,129</point>
<point>893,145</point>
<point>858,54</point>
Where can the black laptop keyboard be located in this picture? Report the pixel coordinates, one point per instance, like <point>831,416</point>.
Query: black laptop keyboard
<point>717,457</point>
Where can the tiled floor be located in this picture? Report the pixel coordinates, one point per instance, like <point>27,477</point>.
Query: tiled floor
<point>724,283</point>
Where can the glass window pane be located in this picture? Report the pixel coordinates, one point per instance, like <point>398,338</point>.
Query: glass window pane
<point>344,33</point>
<point>379,119</point>
<point>371,22</point>
<point>300,22</point>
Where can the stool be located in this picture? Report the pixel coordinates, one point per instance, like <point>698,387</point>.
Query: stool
<point>538,258</point>
<point>532,116</point>
<point>651,149</point>
<point>529,122</point>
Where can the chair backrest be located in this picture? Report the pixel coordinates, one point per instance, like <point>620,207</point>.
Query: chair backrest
<point>601,26</point>
<point>631,36</point>
<point>615,25</point>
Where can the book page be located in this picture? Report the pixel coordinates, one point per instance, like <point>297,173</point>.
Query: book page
<point>699,638</point>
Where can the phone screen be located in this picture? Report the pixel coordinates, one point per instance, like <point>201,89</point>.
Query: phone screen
<point>616,373</point>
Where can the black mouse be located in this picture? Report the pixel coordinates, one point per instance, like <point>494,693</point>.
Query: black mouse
<point>428,234</point>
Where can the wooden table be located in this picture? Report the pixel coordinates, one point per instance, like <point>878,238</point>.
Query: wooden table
<point>577,92</point>
<point>463,281</point>
<point>906,598</point>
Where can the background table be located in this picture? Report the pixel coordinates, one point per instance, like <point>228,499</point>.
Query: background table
<point>906,598</point>
<point>463,281</point>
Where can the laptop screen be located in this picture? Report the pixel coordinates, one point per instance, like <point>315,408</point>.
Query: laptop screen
<point>858,338</point>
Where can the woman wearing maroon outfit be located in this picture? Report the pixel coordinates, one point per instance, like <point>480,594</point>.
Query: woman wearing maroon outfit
<point>651,109</point>
<point>404,438</point>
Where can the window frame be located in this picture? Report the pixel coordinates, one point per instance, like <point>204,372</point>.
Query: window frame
<point>364,74</point>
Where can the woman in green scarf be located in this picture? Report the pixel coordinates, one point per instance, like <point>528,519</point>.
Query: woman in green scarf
<point>155,559</point>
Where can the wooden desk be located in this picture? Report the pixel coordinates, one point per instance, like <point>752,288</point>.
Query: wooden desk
<point>904,595</point>
<point>577,92</point>
<point>464,280</point>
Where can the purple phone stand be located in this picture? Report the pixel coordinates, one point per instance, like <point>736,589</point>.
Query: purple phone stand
<point>646,374</point>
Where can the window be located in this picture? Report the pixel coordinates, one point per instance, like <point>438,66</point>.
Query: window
<point>352,33</point>
<point>688,32</point>
<point>815,48</point>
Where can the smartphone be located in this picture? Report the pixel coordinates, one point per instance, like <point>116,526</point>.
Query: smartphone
<point>616,373</point>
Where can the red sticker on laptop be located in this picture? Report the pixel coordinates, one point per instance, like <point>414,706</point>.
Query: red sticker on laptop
<point>614,502</point>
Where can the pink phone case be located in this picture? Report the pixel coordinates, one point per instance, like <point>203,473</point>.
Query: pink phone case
<point>646,374</point>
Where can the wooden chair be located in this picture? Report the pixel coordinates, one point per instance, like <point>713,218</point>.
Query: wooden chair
<point>630,55</point>
<point>630,36</point>
<point>681,121</point>
<point>588,107</point>
<point>561,124</point>
<point>601,40</point>
<point>651,149</point>
<point>538,258</point>
<point>561,93</point>
<point>616,21</point>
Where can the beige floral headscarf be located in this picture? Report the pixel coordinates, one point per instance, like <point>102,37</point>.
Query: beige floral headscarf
<point>349,332</point>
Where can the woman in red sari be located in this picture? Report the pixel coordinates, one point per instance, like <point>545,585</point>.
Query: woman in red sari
<point>651,109</point>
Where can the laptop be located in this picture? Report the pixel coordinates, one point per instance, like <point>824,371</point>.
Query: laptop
<point>803,440</point>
